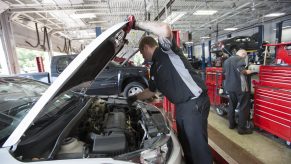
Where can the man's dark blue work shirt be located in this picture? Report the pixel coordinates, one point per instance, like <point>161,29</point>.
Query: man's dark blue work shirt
<point>235,80</point>
<point>173,75</point>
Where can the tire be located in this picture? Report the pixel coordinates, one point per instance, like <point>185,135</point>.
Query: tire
<point>220,111</point>
<point>133,88</point>
<point>288,144</point>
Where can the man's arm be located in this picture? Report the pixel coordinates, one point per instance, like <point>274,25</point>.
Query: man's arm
<point>160,29</point>
<point>241,68</point>
<point>247,72</point>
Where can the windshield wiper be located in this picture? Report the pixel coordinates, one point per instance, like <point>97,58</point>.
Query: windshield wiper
<point>12,117</point>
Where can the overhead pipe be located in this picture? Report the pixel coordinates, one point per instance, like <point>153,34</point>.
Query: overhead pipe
<point>169,4</point>
<point>226,14</point>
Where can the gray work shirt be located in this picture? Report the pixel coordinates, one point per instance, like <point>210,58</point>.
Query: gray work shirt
<point>173,75</point>
<point>235,80</point>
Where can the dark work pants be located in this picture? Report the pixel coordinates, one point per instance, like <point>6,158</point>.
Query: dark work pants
<point>244,108</point>
<point>191,119</point>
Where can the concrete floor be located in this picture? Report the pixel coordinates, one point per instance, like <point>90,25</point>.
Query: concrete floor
<point>263,148</point>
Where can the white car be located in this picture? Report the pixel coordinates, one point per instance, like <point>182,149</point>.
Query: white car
<point>67,126</point>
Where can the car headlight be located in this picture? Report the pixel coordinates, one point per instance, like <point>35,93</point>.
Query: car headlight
<point>159,152</point>
<point>157,155</point>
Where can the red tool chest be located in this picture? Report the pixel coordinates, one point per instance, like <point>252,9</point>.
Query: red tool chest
<point>272,105</point>
<point>214,79</point>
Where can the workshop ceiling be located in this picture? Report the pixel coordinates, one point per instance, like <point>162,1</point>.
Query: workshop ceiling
<point>77,19</point>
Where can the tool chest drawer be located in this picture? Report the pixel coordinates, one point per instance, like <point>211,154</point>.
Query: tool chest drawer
<point>272,110</point>
<point>275,76</point>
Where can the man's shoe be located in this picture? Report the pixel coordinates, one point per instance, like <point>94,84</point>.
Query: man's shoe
<point>244,131</point>
<point>231,126</point>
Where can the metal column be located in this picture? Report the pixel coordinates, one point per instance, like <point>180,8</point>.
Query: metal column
<point>261,34</point>
<point>189,46</point>
<point>279,32</point>
<point>203,56</point>
<point>98,31</point>
<point>203,61</point>
<point>9,44</point>
<point>209,57</point>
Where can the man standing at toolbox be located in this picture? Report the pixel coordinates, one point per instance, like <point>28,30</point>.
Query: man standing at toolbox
<point>239,92</point>
<point>173,75</point>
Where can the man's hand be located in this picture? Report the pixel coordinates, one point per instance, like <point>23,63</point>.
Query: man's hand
<point>131,23</point>
<point>249,72</point>
<point>131,99</point>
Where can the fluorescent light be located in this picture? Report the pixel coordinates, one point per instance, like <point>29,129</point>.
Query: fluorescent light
<point>286,27</point>
<point>63,2</point>
<point>89,15</point>
<point>174,17</point>
<point>274,15</point>
<point>205,12</point>
<point>230,29</point>
<point>204,37</point>
<point>100,21</point>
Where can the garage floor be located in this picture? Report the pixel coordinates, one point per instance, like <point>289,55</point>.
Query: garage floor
<point>259,147</point>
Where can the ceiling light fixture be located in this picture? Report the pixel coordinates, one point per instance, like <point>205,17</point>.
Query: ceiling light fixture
<point>205,12</point>
<point>231,29</point>
<point>88,15</point>
<point>174,17</point>
<point>100,21</point>
<point>204,37</point>
<point>274,15</point>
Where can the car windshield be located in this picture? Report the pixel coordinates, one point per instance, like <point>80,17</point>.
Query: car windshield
<point>17,96</point>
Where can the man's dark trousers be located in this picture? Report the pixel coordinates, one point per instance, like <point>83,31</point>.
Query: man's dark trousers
<point>191,119</point>
<point>243,99</point>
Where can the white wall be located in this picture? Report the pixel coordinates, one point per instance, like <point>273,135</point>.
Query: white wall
<point>286,35</point>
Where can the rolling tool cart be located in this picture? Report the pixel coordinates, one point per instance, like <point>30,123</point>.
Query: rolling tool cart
<point>272,105</point>
<point>214,80</point>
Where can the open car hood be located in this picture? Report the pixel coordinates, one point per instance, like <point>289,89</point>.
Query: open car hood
<point>85,67</point>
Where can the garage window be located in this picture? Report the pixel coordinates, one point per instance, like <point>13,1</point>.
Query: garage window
<point>27,60</point>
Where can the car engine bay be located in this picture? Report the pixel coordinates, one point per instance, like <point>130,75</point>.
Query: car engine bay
<point>107,128</point>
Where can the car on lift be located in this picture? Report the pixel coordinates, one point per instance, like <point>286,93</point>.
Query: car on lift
<point>117,77</point>
<point>232,45</point>
<point>65,125</point>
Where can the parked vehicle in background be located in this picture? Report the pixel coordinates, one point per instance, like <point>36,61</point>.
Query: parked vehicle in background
<point>115,78</point>
<point>69,127</point>
<point>119,77</point>
<point>232,45</point>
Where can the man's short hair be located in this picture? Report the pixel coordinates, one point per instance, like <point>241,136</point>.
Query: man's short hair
<point>147,40</point>
<point>241,52</point>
